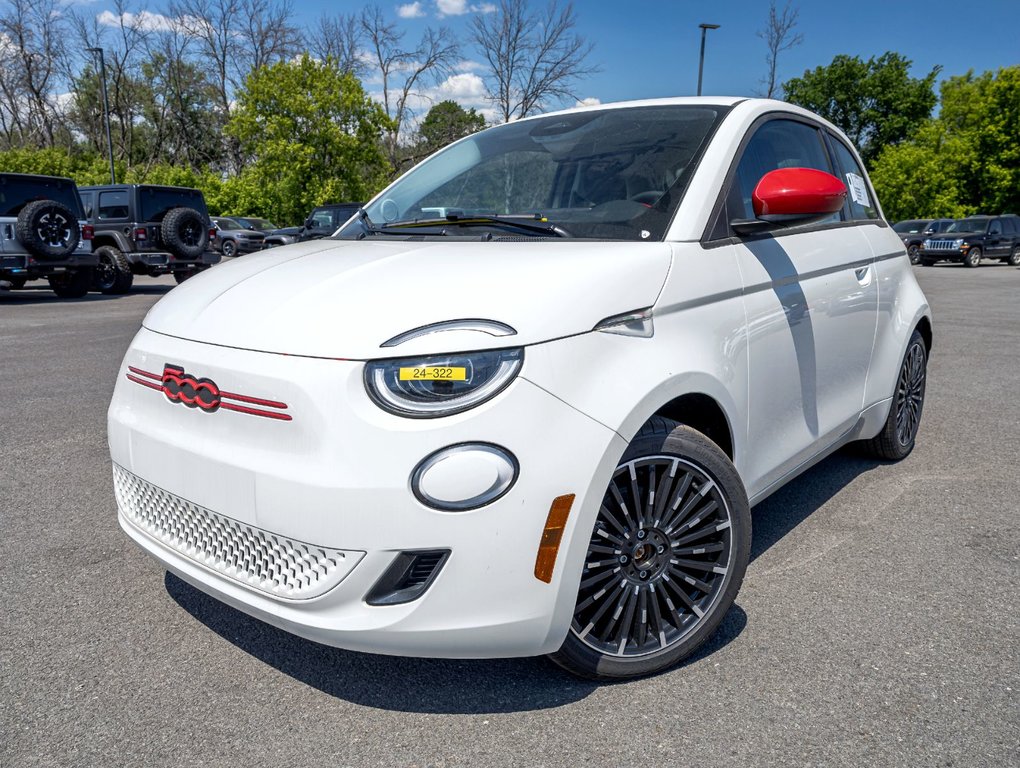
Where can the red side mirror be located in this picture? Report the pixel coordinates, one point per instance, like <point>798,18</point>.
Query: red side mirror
<point>794,193</point>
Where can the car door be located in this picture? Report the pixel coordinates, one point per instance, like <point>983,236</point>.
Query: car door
<point>811,300</point>
<point>995,244</point>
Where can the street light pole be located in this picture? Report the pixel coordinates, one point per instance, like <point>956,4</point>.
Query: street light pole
<point>106,109</point>
<point>701,61</point>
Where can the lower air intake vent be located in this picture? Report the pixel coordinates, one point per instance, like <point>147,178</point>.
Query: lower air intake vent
<point>408,577</point>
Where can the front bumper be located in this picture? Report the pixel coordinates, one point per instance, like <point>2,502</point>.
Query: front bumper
<point>336,477</point>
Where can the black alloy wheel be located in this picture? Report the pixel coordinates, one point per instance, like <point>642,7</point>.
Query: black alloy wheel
<point>898,435</point>
<point>665,559</point>
<point>973,258</point>
<point>914,252</point>
<point>229,248</point>
<point>112,276</point>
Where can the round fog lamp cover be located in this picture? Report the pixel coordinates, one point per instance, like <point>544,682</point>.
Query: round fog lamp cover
<point>463,477</point>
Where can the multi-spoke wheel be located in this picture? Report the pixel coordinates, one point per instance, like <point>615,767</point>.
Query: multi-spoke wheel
<point>665,559</point>
<point>914,252</point>
<point>899,433</point>
<point>973,258</point>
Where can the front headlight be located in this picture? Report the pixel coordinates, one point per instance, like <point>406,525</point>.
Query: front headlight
<point>958,242</point>
<point>440,385</point>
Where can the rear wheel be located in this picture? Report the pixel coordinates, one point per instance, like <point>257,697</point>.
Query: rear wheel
<point>896,440</point>
<point>665,559</point>
<point>72,285</point>
<point>17,283</point>
<point>973,258</point>
<point>1014,257</point>
<point>113,275</point>
<point>184,274</point>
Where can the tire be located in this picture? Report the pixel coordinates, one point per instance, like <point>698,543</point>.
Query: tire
<point>973,258</point>
<point>699,499</point>
<point>72,285</point>
<point>48,230</point>
<point>898,435</point>
<point>914,254</point>
<point>229,248</point>
<point>1014,257</point>
<point>113,275</point>
<point>17,283</point>
<point>184,274</point>
<point>185,232</point>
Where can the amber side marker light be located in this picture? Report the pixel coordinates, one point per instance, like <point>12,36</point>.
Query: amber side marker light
<point>552,534</point>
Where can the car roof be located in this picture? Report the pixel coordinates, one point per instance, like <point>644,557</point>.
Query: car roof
<point>139,186</point>
<point>36,176</point>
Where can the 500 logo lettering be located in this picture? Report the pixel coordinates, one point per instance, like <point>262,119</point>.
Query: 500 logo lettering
<point>181,387</point>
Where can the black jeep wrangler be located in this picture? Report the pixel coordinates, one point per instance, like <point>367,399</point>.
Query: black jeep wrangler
<point>141,229</point>
<point>974,238</point>
<point>326,219</point>
<point>43,234</point>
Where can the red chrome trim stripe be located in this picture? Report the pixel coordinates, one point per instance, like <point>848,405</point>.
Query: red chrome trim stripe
<point>144,383</point>
<point>140,372</point>
<point>252,400</point>
<point>256,412</point>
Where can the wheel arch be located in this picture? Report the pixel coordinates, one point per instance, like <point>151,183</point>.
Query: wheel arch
<point>113,239</point>
<point>703,413</point>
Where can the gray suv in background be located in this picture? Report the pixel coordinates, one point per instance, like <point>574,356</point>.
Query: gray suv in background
<point>43,234</point>
<point>233,237</point>
<point>142,229</point>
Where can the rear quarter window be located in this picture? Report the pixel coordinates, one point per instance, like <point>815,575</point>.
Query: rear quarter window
<point>859,193</point>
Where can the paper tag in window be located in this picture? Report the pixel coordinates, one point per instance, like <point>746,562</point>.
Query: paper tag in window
<point>858,189</point>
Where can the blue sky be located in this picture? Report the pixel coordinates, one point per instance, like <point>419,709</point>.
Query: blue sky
<point>649,48</point>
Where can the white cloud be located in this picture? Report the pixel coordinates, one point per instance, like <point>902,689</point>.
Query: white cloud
<point>410,11</point>
<point>460,7</point>
<point>463,88</point>
<point>469,66</point>
<point>143,20</point>
<point>591,101</point>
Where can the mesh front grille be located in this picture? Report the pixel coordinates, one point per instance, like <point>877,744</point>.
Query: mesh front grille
<point>248,555</point>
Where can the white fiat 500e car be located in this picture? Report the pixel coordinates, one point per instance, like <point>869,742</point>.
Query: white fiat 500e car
<point>523,401</point>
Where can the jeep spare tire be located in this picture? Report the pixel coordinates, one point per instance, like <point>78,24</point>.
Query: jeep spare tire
<point>48,230</point>
<point>185,232</point>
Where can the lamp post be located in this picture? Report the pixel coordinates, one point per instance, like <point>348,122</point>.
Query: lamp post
<point>701,61</point>
<point>106,109</point>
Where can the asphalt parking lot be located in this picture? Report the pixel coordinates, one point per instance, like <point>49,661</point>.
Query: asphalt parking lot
<point>877,625</point>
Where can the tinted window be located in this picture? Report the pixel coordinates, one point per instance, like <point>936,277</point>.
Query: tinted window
<point>87,201</point>
<point>995,228</point>
<point>776,144</point>
<point>114,204</point>
<point>968,225</point>
<point>16,192</point>
<point>910,227</point>
<point>322,219</point>
<point>851,174</point>
<point>155,202</point>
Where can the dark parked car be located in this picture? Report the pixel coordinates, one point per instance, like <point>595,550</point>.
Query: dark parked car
<point>974,238</point>
<point>913,232</point>
<point>324,220</point>
<point>233,238</point>
<point>282,236</point>
<point>143,229</point>
<point>255,224</point>
<point>43,234</point>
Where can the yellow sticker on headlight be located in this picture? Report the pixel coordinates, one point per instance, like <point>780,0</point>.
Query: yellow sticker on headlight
<point>433,373</point>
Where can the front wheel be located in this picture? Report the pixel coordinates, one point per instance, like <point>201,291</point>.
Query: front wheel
<point>973,258</point>
<point>914,253</point>
<point>229,248</point>
<point>665,559</point>
<point>896,440</point>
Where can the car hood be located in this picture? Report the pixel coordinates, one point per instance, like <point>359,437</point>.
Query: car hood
<point>345,299</point>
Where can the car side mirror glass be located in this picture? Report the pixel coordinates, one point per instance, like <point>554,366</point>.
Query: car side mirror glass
<point>792,196</point>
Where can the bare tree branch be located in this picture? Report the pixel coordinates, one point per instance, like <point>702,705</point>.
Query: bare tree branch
<point>533,58</point>
<point>778,36</point>
<point>338,38</point>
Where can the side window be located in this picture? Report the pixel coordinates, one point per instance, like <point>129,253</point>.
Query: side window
<point>776,144</point>
<point>322,219</point>
<point>850,173</point>
<point>995,228</point>
<point>87,199</point>
<point>113,205</point>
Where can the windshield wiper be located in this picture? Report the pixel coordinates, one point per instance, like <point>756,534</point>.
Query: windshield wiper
<point>537,224</point>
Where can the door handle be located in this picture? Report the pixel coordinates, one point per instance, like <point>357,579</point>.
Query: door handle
<point>863,275</point>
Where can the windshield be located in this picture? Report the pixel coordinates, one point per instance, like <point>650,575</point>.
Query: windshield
<point>968,225</point>
<point>909,227</point>
<point>18,191</point>
<point>260,224</point>
<point>611,174</point>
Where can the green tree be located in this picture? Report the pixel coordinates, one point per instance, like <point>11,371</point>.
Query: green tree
<point>875,102</point>
<point>311,134</point>
<point>966,160</point>
<point>446,122</point>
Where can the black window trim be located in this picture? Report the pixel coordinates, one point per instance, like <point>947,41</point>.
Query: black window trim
<point>830,136</point>
<point>708,242</point>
